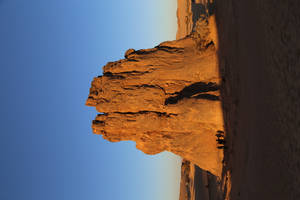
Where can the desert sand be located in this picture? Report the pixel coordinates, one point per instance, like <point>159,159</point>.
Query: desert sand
<point>260,63</point>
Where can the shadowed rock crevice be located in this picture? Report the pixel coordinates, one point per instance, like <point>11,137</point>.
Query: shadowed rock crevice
<point>159,114</point>
<point>197,90</point>
<point>123,74</point>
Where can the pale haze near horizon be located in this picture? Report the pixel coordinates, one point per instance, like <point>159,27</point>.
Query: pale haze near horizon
<point>50,51</point>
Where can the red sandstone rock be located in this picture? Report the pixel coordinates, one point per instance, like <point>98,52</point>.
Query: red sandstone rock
<point>165,99</point>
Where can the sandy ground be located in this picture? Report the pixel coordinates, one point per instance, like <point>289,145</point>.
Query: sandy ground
<point>260,61</point>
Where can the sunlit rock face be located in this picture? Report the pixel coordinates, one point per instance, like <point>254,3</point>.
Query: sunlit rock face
<point>165,99</point>
<point>184,18</point>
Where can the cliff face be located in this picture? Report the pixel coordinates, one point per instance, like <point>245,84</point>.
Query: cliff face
<point>188,14</point>
<point>198,184</point>
<point>165,99</point>
<point>184,18</point>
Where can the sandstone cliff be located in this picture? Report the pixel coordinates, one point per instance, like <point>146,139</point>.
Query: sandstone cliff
<point>165,99</point>
<point>184,18</point>
<point>189,12</point>
<point>198,184</point>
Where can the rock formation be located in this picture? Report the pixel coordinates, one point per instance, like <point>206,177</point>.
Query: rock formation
<point>189,12</point>
<point>184,18</point>
<point>165,99</point>
<point>198,184</point>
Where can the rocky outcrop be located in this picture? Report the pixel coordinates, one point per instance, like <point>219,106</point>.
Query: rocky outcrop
<point>185,182</point>
<point>184,18</point>
<point>198,184</point>
<point>165,99</point>
<point>189,12</point>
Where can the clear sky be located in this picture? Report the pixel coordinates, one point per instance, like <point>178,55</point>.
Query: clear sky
<point>49,52</point>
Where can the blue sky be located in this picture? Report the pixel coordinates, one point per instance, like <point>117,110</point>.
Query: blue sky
<point>50,51</point>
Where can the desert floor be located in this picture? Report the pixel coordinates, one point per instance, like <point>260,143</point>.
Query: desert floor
<point>260,64</point>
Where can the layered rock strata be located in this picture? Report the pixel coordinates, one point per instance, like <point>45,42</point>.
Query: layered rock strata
<point>165,99</point>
